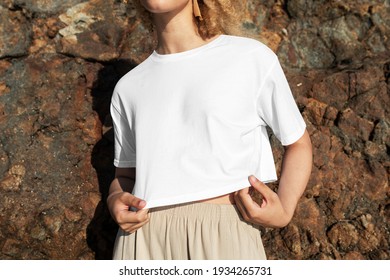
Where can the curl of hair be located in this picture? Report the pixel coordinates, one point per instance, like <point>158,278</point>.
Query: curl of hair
<point>219,17</point>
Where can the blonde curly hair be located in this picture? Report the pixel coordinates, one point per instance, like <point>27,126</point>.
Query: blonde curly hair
<point>219,17</point>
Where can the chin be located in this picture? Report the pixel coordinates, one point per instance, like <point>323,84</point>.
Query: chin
<point>164,6</point>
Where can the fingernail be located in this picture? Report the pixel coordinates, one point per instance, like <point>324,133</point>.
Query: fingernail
<point>142,203</point>
<point>253,179</point>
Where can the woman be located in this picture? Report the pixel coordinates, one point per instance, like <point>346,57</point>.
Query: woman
<point>191,144</point>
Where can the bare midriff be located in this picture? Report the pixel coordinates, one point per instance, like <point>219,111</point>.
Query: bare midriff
<point>223,199</point>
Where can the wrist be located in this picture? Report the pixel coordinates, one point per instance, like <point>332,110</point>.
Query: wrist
<point>113,194</point>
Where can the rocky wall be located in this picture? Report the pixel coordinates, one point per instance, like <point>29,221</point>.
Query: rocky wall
<point>59,62</point>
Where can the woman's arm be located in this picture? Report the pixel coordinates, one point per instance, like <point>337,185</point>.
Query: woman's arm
<point>120,200</point>
<point>277,209</point>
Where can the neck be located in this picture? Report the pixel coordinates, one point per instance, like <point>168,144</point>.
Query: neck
<point>177,31</point>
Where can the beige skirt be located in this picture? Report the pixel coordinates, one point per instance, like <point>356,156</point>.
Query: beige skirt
<point>192,231</point>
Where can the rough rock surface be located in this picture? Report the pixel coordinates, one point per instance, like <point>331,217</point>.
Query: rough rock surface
<point>15,34</point>
<point>59,62</point>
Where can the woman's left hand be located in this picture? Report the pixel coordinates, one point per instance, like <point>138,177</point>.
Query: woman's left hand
<point>270,213</point>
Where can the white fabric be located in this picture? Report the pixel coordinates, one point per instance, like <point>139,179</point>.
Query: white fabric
<point>194,123</point>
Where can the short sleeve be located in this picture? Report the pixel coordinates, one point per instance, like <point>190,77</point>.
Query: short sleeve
<point>124,139</point>
<point>277,108</point>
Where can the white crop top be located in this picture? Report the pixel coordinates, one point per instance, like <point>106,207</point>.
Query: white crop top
<point>194,123</point>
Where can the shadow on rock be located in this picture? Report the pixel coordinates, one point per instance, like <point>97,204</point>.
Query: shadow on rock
<point>102,229</point>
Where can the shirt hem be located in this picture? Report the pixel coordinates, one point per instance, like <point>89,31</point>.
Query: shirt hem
<point>193,197</point>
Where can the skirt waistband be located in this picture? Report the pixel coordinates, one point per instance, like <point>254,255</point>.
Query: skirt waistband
<point>199,210</point>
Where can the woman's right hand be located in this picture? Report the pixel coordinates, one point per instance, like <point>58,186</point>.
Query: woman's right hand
<point>119,204</point>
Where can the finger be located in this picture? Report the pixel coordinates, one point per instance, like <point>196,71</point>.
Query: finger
<point>240,193</point>
<point>142,215</point>
<point>139,225</point>
<point>131,217</point>
<point>240,206</point>
<point>133,201</point>
<point>247,201</point>
<point>259,186</point>
<point>133,227</point>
